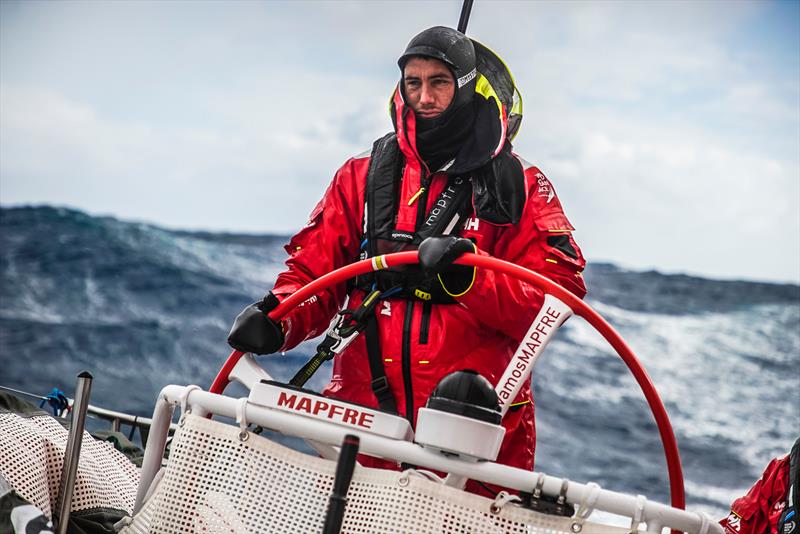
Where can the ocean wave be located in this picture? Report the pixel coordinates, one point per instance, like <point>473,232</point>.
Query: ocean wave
<point>143,306</point>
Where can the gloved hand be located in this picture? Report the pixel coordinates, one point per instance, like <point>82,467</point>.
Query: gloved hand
<point>254,332</point>
<point>436,255</point>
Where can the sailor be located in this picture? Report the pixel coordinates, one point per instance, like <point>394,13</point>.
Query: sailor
<point>771,505</point>
<point>445,181</point>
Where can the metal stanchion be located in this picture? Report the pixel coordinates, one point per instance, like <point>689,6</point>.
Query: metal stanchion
<point>71,455</point>
<point>341,483</point>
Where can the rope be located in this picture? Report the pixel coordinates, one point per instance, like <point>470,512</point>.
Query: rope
<point>705,523</point>
<point>184,399</point>
<point>422,473</point>
<point>586,507</point>
<point>241,418</point>
<point>638,513</point>
<point>502,499</point>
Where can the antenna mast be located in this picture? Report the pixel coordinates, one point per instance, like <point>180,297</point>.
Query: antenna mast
<point>463,20</point>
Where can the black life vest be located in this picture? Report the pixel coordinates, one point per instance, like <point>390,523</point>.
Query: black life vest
<point>446,217</point>
<point>499,191</point>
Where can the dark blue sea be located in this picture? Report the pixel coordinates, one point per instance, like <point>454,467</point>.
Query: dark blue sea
<point>141,307</point>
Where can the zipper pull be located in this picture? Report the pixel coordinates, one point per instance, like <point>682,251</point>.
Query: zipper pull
<point>416,195</point>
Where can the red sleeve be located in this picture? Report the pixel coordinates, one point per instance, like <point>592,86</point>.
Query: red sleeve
<point>759,510</point>
<point>329,241</point>
<point>542,241</point>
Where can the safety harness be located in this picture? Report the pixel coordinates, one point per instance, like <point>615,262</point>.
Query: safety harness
<point>344,328</point>
<point>446,217</point>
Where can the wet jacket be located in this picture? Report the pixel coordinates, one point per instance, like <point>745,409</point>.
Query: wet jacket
<point>759,511</point>
<point>422,342</point>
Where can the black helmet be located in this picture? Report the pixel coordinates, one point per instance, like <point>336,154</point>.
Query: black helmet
<point>454,49</point>
<point>485,113</point>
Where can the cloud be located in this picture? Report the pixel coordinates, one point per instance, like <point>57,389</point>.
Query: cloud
<point>267,165</point>
<point>669,130</point>
<point>674,196</point>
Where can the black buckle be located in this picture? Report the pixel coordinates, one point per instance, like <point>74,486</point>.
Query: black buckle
<point>326,345</point>
<point>380,386</point>
<point>382,392</point>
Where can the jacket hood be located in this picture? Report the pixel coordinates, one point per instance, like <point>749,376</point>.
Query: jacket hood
<point>496,100</point>
<point>452,48</point>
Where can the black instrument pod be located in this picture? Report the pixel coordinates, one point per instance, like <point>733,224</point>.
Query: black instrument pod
<point>468,394</point>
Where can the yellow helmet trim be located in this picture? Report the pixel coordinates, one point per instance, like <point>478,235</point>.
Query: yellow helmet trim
<point>484,88</point>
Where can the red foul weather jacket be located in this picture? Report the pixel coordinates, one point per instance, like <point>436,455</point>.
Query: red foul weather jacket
<point>758,512</point>
<point>422,344</point>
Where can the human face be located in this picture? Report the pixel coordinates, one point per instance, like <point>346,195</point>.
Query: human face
<point>429,86</point>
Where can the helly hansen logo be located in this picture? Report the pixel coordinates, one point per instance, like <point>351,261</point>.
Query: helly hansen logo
<point>471,224</point>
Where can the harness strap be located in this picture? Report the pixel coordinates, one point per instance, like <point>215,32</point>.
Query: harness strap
<point>445,217</point>
<point>380,384</point>
<point>381,195</point>
<point>342,331</point>
<point>452,207</point>
<point>307,371</point>
<point>344,328</point>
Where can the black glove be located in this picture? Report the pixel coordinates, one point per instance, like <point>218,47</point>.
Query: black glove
<point>254,332</point>
<point>436,255</point>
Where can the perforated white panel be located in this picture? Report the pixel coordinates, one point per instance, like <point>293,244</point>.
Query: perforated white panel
<point>215,482</point>
<point>32,456</point>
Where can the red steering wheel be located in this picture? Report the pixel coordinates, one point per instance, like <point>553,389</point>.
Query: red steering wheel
<point>678,498</point>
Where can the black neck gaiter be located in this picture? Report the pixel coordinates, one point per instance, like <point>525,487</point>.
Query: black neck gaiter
<point>440,139</point>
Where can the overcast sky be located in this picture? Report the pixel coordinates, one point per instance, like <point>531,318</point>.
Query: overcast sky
<point>671,130</point>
